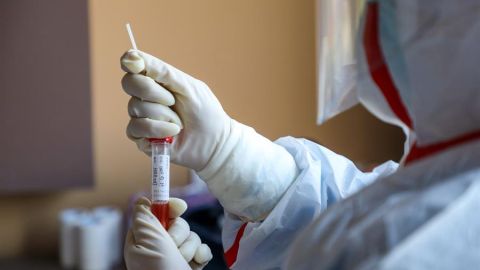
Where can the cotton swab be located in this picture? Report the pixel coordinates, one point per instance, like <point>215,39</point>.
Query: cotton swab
<point>130,34</point>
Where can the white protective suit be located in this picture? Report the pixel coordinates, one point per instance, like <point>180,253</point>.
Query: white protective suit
<point>419,69</point>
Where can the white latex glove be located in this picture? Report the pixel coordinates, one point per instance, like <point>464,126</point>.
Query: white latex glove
<point>244,170</point>
<point>149,246</point>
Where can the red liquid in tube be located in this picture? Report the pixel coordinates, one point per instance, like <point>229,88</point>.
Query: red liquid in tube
<point>161,211</point>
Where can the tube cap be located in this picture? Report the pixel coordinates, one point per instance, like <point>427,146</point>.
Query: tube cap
<point>161,140</point>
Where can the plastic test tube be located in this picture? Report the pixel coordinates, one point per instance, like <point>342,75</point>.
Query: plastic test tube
<point>161,178</point>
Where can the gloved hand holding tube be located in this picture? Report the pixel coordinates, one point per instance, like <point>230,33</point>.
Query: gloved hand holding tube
<point>247,172</point>
<point>150,246</point>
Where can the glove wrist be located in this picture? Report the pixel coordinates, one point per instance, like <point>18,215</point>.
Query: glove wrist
<point>248,173</point>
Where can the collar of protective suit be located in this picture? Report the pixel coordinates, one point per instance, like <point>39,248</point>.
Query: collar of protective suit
<point>365,229</point>
<point>418,69</point>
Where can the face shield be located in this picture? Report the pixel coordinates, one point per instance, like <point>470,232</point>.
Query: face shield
<point>337,25</point>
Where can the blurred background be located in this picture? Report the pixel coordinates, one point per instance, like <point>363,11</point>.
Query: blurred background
<point>259,58</point>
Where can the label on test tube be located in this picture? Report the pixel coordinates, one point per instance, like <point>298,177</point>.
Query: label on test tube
<point>160,178</point>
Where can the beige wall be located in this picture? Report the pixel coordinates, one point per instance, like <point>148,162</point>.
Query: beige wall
<point>257,56</point>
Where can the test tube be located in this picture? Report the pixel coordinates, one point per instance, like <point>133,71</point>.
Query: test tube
<point>161,178</point>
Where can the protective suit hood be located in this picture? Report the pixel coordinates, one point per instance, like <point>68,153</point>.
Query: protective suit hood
<point>418,74</point>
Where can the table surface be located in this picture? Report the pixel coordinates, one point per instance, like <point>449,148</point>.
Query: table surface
<point>36,264</point>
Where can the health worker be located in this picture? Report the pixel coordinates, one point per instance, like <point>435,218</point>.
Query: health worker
<point>294,204</point>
